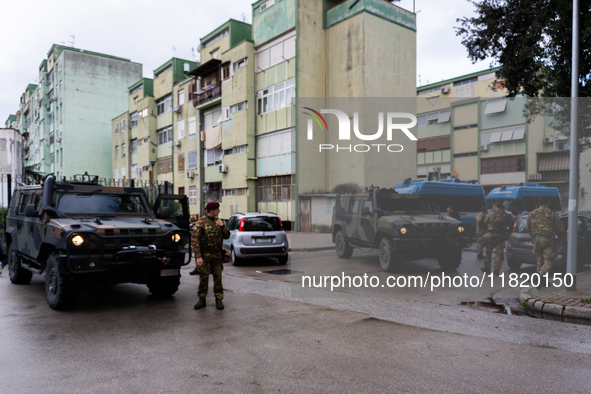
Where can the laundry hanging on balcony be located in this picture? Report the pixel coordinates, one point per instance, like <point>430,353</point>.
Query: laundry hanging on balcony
<point>213,137</point>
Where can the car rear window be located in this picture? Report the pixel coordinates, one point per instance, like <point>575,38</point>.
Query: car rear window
<point>522,224</point>
<point>262,224</point>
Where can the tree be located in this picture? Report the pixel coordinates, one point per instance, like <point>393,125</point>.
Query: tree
<point>532,41</point>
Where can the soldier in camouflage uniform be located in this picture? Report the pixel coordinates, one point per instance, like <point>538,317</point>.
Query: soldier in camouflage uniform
<point>496,225</point>
<point>543,225</point>
<point>206,242</point>
<point>480,231</point>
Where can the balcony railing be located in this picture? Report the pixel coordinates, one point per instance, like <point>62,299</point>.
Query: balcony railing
<point>207,93</point>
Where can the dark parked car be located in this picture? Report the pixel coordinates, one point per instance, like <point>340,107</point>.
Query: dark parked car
<point>519,247</point>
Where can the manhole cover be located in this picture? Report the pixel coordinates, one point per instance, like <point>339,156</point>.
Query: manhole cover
<point>283,271</point>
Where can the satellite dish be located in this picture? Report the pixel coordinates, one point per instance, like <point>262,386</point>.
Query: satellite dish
<point>454,173</point>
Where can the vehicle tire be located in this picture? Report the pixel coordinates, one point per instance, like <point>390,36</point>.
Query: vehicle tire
<point>343,248</point>
<point>514,264</point>
<point>61,291</point>
<point>386,255</point>
<point>283,259</point>
<point>451,261</point>
<point>18,275</point>
<point>164,286</point>
<point>236,261</point>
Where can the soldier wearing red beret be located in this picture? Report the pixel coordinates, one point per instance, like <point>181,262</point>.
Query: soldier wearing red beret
<point>207,244</point>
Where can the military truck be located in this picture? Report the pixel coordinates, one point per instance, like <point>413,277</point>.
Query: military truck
<point>80,232</point>
<point>401,227</point>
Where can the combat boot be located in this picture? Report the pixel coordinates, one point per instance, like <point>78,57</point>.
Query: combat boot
<point>219,304</point>
<point>496,272</point>
<point>200,304</point>
<point>480,257</point>
<point>194,272</point>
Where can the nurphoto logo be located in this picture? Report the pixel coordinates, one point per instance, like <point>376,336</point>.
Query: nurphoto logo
<point>392,124</point>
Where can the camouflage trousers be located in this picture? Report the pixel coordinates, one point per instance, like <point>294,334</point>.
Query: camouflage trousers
<point>496,242</point>
<point>479,244</point>
<point>212,264</point>
<point>545,251</point>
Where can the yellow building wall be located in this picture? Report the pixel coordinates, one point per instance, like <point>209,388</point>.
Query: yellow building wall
<point>163,84</point>
<point>467,167</point>
<point>465,140</point>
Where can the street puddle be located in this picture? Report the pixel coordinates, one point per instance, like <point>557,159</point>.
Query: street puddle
<point>283,271</point>
<point>489,306</point>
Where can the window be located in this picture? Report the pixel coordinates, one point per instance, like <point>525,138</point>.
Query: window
<point>181,191</point>
<point>276,97</point>
<point>225,113</point>
<point>238,107</point>
<point>50,78</point>
<point>51,158</point>
<point>236,149</point>
<point>192,195</point>
<point>192,160</point>
<point>116,128</point>
<point>214,39</point>
<point>117,152</point>
<point>562,145</point>
<point>276,188</point>
<point>165,165</point>
<point>192,125</point>
<point>136,89</point>
<point>494,107</point>
<point>181,162</point>
<point>123,125</point>
<point>212,119</point>
<point>226,71</point>
<point>122,150</point>
<point>134,117</point>
<point>239,64</point>
<point>433,118</point>
<point>165,136</point>
<point>180,129</point>
<point>50,138</point>
<point>502,165</point>
<point>465,154</point>
<point>164,105</point>
<point>181,97</point>
<point>274,144</point>
<point>214,54</point>
<point>470,80</point>
<point>214,156</point>
<point>134,146</point>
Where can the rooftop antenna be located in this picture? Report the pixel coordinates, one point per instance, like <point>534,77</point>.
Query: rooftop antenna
<point>243,17</point>
<point>72,42</point>
<point>193,52</point>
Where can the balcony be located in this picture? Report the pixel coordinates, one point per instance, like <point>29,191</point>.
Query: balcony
<point>207,93</point>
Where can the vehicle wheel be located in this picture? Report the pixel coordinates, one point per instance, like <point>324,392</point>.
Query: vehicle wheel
<point>61,291</point>
<point>387,260</point>
<point>344,249</point>
<point>236,261</point>
<point>283,259</point>
<point>164,286</point>
<point>514,264</point>
<point>18,275</point>
<point>451,261</point>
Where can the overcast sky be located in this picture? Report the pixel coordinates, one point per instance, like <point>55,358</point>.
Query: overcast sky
<point>152,31</point>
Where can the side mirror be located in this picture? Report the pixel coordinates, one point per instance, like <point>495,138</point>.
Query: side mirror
<point>164,213</point>
<point>31,211</point>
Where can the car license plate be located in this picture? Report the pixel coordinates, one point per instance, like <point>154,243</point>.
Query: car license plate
<point>263,240</point>
<point>527,243</point>
<point>169,272</point>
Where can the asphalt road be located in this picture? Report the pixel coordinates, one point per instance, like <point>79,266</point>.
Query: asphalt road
<point>271,339</point>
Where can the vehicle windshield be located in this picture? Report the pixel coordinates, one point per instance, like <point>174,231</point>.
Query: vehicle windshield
<point>262,224</point>
<point>404,204</point>
<point>100,203</point>
<point>506,203</point>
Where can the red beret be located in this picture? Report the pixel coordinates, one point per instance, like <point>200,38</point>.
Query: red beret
<point>210,206</point>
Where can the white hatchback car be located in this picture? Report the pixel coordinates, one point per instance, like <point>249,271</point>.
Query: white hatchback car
<point>256,234</point>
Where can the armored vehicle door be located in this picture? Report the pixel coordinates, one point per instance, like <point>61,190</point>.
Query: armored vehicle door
<point>352,217</point>
<point>367,220</point>
<point>173,208</point>
<point>28,224</point>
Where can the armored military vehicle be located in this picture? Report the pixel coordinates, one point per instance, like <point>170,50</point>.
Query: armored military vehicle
<point>401,227</point>
<point>80,232</point>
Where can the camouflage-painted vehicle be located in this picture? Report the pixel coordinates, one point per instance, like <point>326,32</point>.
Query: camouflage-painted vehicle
<point>401,227</point>
<point>81,232</point>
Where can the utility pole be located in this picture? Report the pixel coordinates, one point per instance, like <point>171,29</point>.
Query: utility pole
<point>573,187</point>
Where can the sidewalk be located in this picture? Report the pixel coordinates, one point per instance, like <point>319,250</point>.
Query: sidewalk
<point>559,301</point>
<point>309,242</point>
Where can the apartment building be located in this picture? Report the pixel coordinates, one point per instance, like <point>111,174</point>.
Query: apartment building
<point>68,111</point>
<point>468,129</point>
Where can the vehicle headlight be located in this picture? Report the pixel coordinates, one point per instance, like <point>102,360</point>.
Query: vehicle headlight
<point>461,229</point>
<point>403,230</point>
<point>77,240</point>
<point>176,237</point>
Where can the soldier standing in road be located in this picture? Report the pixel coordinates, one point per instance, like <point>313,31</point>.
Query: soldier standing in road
<point>543,225</point>
<point>480,231</point>
<point>452,213</point>
<point>496,226</point>
<point>206,242</point>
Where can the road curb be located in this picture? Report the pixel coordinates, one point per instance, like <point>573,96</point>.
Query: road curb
<point>535,305</point>
<point>312,249</point>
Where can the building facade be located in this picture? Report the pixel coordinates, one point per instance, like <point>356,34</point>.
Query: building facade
<point>11,160</point>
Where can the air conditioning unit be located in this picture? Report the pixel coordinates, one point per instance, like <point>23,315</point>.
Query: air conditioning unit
<point>176,108</point>
<point>191,174</point>
<point>535,177</point>
<point>484,147</point>
<point>176,142</point>
<point>548,140</point>
<point>445,89</point>
<point>223,168</point>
